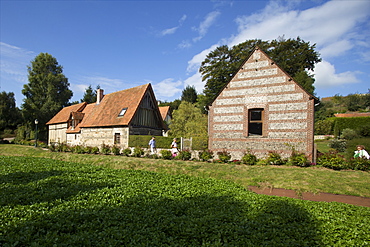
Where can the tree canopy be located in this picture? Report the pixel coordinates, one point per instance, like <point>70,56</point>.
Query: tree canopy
<point>47,91</point>
<point>295,56</point>
<point>89,95</point>
<point>189,94</point>
<point>10,115</point>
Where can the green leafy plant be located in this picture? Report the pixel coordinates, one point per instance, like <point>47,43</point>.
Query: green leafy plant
<point>116,150</point>
<point>349,134</point>
<point>105,149</point>
<point>184,155</point>
<point>126,152</point>
<point>166,154</point>
<point>332,160</point>
<point>249,158</point>
<point>138,152</point>
<point>361,164</point>
<point>224,156</point>
<point>205,155</point>
<point>274,158</point>
<point>338,144</point>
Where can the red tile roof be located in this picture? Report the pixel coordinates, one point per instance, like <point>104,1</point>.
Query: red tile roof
<point>63,115</point>
<point>353,114</point>
<point>164,110</point>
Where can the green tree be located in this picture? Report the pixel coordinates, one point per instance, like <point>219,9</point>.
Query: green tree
<point>10,115</point>
<point>89,95</point>
<point>188,121</point>
<point>47,91</point>
<point>189,94</point>
<point>295,56</point>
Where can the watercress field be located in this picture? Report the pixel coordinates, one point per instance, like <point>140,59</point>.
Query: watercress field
<point>46,202</point>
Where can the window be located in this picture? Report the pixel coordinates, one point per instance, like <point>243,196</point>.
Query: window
<point>117,138</point>
<point>255,122</point>
<point>123,111</point>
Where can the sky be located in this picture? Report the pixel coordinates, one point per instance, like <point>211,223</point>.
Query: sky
<point>122,44</point>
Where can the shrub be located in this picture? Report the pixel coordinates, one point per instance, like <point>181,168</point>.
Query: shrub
<point>94,150</point>
<point>126,151</point>
<point>249,159</point>
<point>184,155</point>
<point>166,154</point>
<point>338,144</point>
<point>298,159</point>
<point>77,149</point>
<point>206,155</point>
<point>332,160</point>
<point>116,150</point>
<point>362,164</point>
<point>224,156</point>
<point>105,149</point>
<point>349,134</point>
<point>364,130</point>
<point>274,158</point>
<point>138,152</point>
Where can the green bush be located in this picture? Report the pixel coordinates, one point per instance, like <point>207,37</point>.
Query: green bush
<point>338,144</point>
<point>274,158</point>
<point>224,156</point>
<point>126,151</point>
<point>249,159</point>
<point>364,130</point>
<point>105,149</point>
<point>116,150</point>
<point>78,149</point>
<point>166,154</point>
<point>138,152</point>
<point>349,134</point>
<point>332,160</point>
<point>361,164</point>
<point>298,159</point>
<point>184,155</point>
<point>205,155</point>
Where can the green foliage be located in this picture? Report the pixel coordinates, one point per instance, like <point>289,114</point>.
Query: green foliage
<point>47,91</point>
<point>126,152</point>
<point>338,144</point>
<point>325,127</point>
<point>188,121</point>
<point>200,143</point>
<point>189,94</point>
<point>361,164</point>
<point>354,123</point>
<point>143,140</point>
<point>89,95</point>
<point>166,154</point>
<point>116,150</point>
<point>45,202</point>
<point>332,160</point>
<point>10,115</point>
<point>274,158</point>
<point>78,149</point>
<point>349,134</point>
<point>364,130</point>
<point>138,152</point>
<point>298,159</point>
<point>184,155</point>
<point>249,159</point>
<point>205,155</point>
<point>224,156</point>
<point>105,149</point>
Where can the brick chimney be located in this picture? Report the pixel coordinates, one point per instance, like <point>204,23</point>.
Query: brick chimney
<point>99,95</point>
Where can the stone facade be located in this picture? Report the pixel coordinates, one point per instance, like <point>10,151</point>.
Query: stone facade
<point>262,109</point>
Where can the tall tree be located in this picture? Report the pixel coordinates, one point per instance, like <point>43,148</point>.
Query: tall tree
<point>295,56</point>
<point>10,115</point>
<point>188,121</point>
<point>89,95</point>
<point>189,94</point>
<point>47,91</point>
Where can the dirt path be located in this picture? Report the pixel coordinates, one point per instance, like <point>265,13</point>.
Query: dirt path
<point>322,197</point>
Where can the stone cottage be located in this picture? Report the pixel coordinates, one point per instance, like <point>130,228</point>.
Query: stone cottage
<point>262,109</point>
<point>110,121</point>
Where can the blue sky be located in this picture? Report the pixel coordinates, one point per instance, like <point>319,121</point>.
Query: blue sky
<point>122,44</point>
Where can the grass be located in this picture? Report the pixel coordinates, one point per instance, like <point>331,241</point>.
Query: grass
<point>310,179</point>
<point>48,202</point>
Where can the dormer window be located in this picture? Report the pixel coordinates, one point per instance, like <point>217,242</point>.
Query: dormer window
<point>123,111</point>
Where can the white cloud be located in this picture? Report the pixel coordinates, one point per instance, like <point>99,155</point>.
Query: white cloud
<point>196,81</point>
<point>334,26</point>
<point>325,76</point>
<point>172,30</point>
<point>208,21</point>
<point>167,88</point>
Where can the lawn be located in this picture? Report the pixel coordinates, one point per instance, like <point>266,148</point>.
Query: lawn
<point>310,179</point>
<point>49,202</point>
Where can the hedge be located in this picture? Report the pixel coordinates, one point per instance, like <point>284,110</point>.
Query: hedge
<point>198,143</point>
<point>355,123</point>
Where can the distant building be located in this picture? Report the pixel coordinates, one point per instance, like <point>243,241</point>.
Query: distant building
<point>111,120</point>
